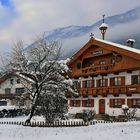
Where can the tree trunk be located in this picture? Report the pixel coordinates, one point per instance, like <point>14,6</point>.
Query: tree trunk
<point>31,114</point>
<point>32,109</point>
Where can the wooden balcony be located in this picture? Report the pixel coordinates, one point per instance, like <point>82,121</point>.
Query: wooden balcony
<point>13,96</point>
<point>97,69</point>
<point>114,90</point>
<point>7,96</point>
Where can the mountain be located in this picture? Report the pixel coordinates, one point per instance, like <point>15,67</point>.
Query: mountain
<point>70,33</point>
<point>74,31</point>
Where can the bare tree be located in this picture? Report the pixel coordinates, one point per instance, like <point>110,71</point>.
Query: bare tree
<point>40,63</point>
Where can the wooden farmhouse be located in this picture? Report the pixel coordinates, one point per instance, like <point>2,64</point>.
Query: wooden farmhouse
<point>12,90</point>
<point>106,75</point>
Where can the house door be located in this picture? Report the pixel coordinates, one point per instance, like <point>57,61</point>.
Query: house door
<point>102,106</point>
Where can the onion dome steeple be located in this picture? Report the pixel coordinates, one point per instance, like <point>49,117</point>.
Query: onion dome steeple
<point>103,28</point>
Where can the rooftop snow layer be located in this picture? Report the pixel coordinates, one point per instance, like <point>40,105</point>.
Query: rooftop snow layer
<point>120,46</point>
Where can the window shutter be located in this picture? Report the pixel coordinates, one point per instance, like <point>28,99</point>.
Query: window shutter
<point>111,103</point>
<point>93,83</point>
<point>78,103</point>
<point>111,81</point>
<point>83,83</point>
<point>129,103</point>
<point>122,101</point>
<point>79,84</point>
<point>92,102</point>
<point>71,103</point>
<point>98,83</point>
<point>122,81</point>
<point>106,82</point>
<point>83,103</point>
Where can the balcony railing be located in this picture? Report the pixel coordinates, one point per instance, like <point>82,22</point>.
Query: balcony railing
<point>12,96</point>
<point>7,96</point>
<point>114,90</point>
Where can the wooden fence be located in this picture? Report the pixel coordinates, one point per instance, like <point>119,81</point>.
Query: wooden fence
<point>58,123</point>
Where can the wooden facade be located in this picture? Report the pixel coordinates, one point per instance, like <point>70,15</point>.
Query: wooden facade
<point>106,73</point>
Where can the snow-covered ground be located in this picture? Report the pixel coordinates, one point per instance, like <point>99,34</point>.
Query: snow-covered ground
<point>115,131</point>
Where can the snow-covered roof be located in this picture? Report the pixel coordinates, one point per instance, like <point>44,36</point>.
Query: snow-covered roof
<point>132,40</point>
<point>103,25</point>
<point>25,77</point>
<point>120,46</point>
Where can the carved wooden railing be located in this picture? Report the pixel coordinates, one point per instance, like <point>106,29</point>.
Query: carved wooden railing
<point>114,90</point>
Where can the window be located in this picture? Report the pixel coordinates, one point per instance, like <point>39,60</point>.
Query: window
<point>21,103</point>
<point>135,79</point>
<point>102,83</point>
<point>78,65</point>
<point>12,81</point>
<point>117,103</point>
<point>3,103</point>
<point>136,103</point>
<point>89,84</point>
<point>117,81</point>
<point>113,61</point>
<point>102,62</point>
<point>76,85</point>
<point>75,103</point>
<point>7,90</point>
<point>88,103</point>
<point>20,90</point>
<point>18,81</point>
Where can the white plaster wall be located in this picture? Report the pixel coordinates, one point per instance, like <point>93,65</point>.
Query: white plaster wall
<point>7,84</point>
<point>108,110</point>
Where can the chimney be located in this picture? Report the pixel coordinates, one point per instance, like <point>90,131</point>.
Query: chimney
<point>130,43</point>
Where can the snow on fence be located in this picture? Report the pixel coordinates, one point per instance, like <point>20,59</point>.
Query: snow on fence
<point>59,123</point>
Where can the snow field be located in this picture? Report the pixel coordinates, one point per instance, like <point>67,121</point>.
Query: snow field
<point>116,131</point>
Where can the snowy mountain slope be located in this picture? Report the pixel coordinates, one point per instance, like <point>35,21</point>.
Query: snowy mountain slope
<point>75,31</point>
<point>121,27</point>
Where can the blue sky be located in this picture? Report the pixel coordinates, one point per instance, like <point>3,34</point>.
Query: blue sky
<point>7,3</point>
<point>26,19</point>
<point>7,13</point>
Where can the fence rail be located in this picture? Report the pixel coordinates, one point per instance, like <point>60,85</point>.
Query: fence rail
<point>58,123</point>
